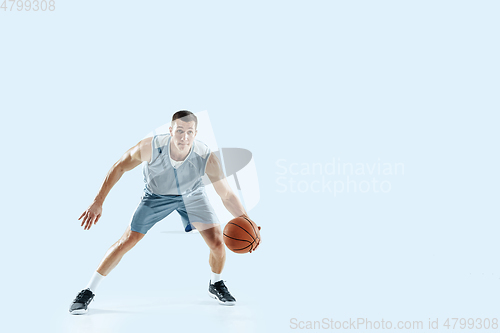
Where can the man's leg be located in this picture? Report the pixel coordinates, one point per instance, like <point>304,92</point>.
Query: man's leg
<point>117,250</point>
<point>152,208</point>
<point>214,240</point>
<point>112,257</point>
<point>212,235</point>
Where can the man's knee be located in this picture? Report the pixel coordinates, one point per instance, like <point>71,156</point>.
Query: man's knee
<point>213,239</point>
<point>216,244</point>
<point>129,239</point>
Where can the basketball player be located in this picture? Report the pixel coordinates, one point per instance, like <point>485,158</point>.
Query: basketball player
<point>172,175</point>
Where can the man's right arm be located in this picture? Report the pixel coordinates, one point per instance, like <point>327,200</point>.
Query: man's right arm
<point>133,157</point>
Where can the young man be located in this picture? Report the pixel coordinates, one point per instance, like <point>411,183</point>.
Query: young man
<point>172,175</point>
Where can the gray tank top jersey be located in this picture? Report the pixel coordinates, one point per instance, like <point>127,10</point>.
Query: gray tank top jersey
<point>161,178</point>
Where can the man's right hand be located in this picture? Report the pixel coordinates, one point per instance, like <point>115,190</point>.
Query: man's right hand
<point>91,215</point>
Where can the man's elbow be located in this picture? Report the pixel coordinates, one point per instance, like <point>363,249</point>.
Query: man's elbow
<point>228,196</point>
<point>118,168</point>
<point>124,165</point>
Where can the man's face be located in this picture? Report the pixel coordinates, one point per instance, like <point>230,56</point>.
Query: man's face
<point>183,134</point>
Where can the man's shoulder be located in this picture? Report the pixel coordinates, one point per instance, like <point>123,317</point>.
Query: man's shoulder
<point>160,140</point>
<point>201,149</point>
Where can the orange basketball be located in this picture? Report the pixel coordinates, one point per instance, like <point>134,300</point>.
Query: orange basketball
<point>240,235</point>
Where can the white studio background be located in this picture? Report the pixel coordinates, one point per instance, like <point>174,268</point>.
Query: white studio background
<point>306,87</point>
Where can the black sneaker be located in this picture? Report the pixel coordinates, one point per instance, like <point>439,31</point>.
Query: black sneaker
<point>82,300</point>
<point>219,291</point>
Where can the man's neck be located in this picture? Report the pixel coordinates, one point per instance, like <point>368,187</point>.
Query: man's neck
<point>177,155</point>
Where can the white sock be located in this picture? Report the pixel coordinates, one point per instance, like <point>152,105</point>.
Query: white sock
<point>215,277</point>
<point>94,281</point>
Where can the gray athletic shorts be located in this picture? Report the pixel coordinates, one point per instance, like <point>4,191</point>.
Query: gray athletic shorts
<point>153,208</point>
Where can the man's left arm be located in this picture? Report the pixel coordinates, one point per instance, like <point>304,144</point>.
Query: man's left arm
<point>229,198</point>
